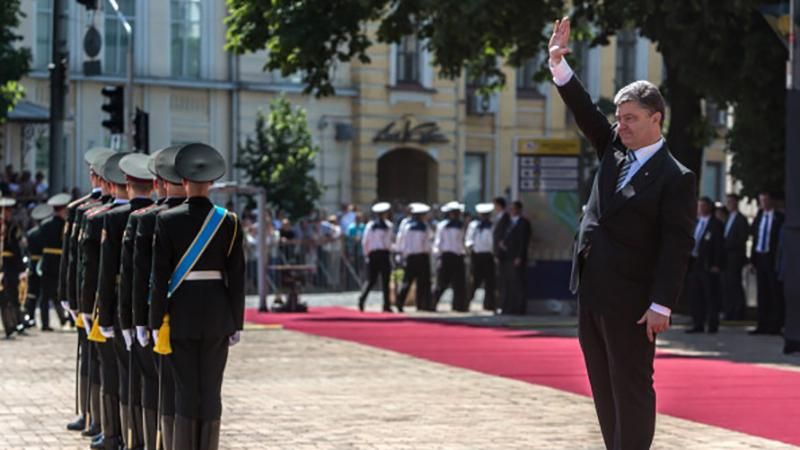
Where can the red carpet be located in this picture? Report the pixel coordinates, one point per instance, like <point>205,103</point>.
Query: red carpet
<point>744,397</point>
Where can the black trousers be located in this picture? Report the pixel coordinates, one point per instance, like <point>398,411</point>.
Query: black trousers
<point>123,366</point>
<point>450,273</point>
<point>704,298</point>
<point>418,267</point>
<point>166,387</point>
<point>47,295</point>
<point>770,294</point>
<point>483,272</point>
<point>733,299</point>
<point>198,366</point>
<point>9,310</point>
<point>146,362</point>
<point>379,266</point>
<point>109,372</point>
<point>619,361</point>
<point>513,279</point>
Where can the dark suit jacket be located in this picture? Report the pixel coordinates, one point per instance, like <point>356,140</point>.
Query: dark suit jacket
<point>633,246</point>
<point>499,230</point>
<point>736,242</point>
<point>711,252</point>
<point>774,233</point>
<point>516,240</point>
<point>198,309</point>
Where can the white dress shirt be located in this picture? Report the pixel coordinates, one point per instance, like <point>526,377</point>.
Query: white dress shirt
<point>378,235</point>
<point>449,237</point>
<point>562,73</point>
<point>729,223</point>
<point>413,238</point>
<point>699,231</point>
<point>764,230</point>
<point>479,236</point>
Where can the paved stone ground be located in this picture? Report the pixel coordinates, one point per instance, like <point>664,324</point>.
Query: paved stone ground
<point>286,390</point>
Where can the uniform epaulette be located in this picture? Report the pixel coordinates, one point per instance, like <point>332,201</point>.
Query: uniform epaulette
<point>96,210</point>
<point>145,210</point>
<point>75,203</point>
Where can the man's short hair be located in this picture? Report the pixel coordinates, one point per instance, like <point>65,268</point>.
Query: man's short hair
<point>707,201</point>
<point>500,201</point>
<point>646,94</point>
<point>734,196</point>
<point>517,204</point>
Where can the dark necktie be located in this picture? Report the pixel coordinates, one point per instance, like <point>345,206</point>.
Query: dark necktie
<point>626,167</point>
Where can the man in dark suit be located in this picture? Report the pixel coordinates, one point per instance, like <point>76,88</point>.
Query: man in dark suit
<point>765,230</point>
<point>514,260</point>
<point>632,248</point>
<point>736,233</point>
<point>703,282</point>
<point>500,225</point>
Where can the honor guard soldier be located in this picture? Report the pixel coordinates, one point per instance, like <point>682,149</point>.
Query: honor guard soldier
<point>12,266</point>
<point>448,245</point>
<point>480,244</point>
<point>131,173</point>
<point>377,244</point>
<point>158,387</point>
<point>414,244</point>
<point>51,233</point>
<point>34,256</point>
<point>88,388</point>
<point>198,295</point>
<point>91,242</point>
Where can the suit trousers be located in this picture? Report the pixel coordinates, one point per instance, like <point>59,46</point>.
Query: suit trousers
<point>198,366</point>
<point>450,272</point>
<point>619,361</point>
<point>733,299</point>
<point>483,272</point>
<point>146,361</point>
<point>770,294</point>
<point>166,386</point>
<point>418,268</point>
<point>379,265</point>
<point>513,279</point>
<point>704,298</point>
<point>123,366</point>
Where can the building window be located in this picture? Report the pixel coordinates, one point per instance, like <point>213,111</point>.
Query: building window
<point>474,179</point>
<point>712,180</point>
<point>527,86</point>
<point>626,58</point>
<point>186,21</point>
<point>115,40</point>
<point>44,30</point>
<point>408,61</point>
<point>717,114</point>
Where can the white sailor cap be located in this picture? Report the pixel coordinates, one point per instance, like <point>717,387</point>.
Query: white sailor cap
<point>419,208</point>
<point>381,207</point>
<point>484,208</point>
<point>452,206</point>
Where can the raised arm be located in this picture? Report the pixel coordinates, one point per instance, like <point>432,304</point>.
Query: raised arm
<point>592,122</point>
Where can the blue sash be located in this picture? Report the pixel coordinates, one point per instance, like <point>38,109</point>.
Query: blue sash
<point>196,249</point>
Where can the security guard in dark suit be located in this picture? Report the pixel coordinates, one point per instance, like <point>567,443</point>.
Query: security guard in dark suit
<point>131,172</point>
<point>33,258</point>
<point>12,266</point>
<point>88,388</point>
<point>90,242</point>
<point>206,309</point>
<point>703,281</point>
<point>156,399</point>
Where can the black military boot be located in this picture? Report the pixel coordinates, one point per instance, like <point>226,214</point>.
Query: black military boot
<point>185,434</point>
<point>209,435</point>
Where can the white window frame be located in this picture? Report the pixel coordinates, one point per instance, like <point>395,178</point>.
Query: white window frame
<point>186,24</point>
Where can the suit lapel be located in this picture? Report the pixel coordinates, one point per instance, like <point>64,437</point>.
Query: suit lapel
<point>608,180</point>
<point>639,183</point>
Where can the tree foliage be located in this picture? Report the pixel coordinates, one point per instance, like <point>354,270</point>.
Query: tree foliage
<point>280,158</point>
<point>312,36</point>
<point>14,62</point>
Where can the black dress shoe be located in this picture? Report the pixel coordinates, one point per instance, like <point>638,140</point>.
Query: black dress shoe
<point>387,309</point>
<point>77,425</point>
<point>92,432</point>
<point>791,347</point>
<point>99,443</point>
<point>47,329</point>
<point>361,306</point>
<point>694,330</point>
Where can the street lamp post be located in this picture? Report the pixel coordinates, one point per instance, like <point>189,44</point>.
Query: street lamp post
<point>58,72</point>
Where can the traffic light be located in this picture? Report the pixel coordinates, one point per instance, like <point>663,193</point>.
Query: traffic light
<point>115,107</point>
<point>141,131</point>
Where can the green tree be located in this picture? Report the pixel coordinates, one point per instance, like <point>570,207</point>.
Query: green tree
<point>14,62</point>
<point>311,36</point>
<point>280,158</point>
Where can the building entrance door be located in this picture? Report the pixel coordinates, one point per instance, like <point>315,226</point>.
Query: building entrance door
<point>407,175</point>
